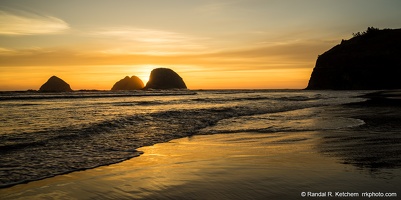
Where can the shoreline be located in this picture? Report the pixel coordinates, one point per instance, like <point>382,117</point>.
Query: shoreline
<point>200,167</point>
<point>375,145</point>
<point>385,98</point>
<point>220,166</point>
<point>202,161</point>
<point>135,154</point>
<point>12,178</point>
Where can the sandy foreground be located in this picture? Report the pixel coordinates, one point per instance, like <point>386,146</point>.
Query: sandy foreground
<point>222,166</point>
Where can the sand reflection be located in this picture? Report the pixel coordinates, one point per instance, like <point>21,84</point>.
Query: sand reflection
<point>221,166</point>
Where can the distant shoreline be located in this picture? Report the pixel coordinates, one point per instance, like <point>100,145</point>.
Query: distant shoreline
<point>381,98</point>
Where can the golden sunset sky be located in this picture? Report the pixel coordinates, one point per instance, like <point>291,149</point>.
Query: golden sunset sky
<point>212,44</point>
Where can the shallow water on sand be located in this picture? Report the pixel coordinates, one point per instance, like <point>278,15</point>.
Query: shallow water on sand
<point>221,166</point>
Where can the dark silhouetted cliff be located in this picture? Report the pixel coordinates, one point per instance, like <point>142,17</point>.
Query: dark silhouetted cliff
<point>163,78</point>
<point>133,83</point>
<point>369,60</point>
<point>55,84</point>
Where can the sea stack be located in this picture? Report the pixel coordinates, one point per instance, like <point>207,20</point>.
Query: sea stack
<point>133,83</point>
<point>55,84</point>
<point>164,78</point>
<point>371,60</point>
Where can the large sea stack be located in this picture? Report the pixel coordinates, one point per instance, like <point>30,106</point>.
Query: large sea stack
<point>55,84</point>
<point>164,78</point>
<point>370,60</point>
<point>133,83</point>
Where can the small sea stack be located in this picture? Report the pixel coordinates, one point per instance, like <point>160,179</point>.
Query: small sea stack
<point>55,84</point>
<point>133,83</point>
<point>164,78</point>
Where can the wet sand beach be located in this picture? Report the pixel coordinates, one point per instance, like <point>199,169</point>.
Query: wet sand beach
<point>222,166</point>
<point>248,165</point>
<point>375,145</point>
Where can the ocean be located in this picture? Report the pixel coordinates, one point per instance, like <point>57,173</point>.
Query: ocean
<point>48,134</point>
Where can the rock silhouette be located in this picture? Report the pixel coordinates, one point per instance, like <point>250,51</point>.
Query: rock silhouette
<point>133,83</point>
<point>55,84</point>
<point>370,60</point>
<point>164,78</point>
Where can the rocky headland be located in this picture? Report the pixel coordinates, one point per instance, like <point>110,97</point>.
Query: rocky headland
<point>370,60</point>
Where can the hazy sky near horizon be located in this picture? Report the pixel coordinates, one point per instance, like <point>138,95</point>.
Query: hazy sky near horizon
<point>212,44</point>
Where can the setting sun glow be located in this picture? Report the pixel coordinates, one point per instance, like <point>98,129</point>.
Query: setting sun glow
<point>210,44</point>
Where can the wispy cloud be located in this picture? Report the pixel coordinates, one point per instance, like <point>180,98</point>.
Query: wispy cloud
<point>25,23</point>
<point>150,41</point>
<point>143,35</point>
<point>283,56</point>
<point>5,51</point>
